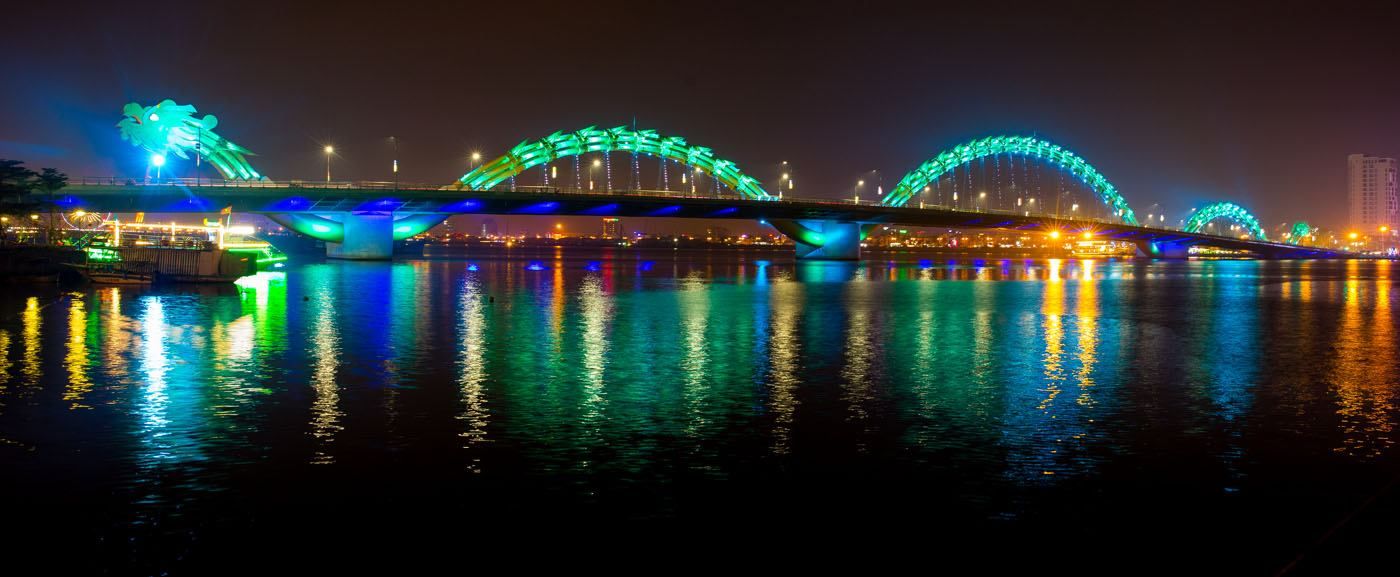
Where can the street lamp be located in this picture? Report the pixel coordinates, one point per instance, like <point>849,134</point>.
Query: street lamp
<point>158,160</point>
<point>395,142</point>
<point>859,183</point>
<point>591,168</point>
<point>329,151</point>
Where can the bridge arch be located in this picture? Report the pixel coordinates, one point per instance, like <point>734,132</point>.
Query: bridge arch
<point>967,153</point>
<point>1228,211</point>
<point>532,153</point>
<point>1301,231</point>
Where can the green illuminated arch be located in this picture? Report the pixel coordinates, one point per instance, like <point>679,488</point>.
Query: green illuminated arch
<point>532,153</point>
<point>1300,231</point>
<point>1228,211</point>
<point>964,154</point>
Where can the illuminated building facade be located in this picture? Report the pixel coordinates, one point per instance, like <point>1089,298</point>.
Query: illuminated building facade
<point>612,228</point>
<point>1372,194</point>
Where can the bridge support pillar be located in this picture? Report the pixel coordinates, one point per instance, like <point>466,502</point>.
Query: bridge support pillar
<point>1163,249</point>
<point>823,239</point>
<point>368,236</point>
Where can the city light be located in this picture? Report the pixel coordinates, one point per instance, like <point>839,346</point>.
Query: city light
<point>158,160</point>
<point>1055,234</point>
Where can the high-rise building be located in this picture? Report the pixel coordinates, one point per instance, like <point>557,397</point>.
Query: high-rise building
<point>612,227</point>
<point>488,228</point>
<point>1372,194</point>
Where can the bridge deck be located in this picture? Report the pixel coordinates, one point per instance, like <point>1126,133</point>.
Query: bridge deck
<point>113,195</point>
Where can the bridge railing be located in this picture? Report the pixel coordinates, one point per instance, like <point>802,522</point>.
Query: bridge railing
<point>389,186</point>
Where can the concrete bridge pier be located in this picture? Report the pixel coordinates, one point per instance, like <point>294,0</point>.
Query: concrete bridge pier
<point>1163,249</point>
<point>824,239</point>
<point>368,236</point>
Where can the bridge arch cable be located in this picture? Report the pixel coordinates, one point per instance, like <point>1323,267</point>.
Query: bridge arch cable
<point>532,153</point>
<point>1229,211</point>
<point>962,157</point>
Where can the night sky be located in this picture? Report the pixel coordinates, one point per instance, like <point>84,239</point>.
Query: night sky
<point>1175,103</point>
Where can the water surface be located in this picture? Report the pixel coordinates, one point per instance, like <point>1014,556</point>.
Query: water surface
<point>1237,411</point>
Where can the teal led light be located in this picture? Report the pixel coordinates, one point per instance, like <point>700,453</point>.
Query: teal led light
<point>1028,146</point>
<point>1301,230</point>
<point>529,154</point>
<point>172,128</point>
<point>1229,211</point>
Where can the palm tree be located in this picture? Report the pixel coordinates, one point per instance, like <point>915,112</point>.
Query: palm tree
<point>50,180</point>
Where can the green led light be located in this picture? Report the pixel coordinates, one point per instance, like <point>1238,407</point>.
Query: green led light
<point>965,154</point>
<point>169,128</point>
<point>529,154</point>
<point>1300,231</point>
<point>1229,211</point>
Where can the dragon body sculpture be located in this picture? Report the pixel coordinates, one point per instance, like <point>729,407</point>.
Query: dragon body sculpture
<point>169,128</point>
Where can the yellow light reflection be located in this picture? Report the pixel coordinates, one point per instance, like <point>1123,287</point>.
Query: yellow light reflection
<point>30,366</point>
<point>76,359</point>
<point>784,348</point>
<point>1363,375</point>
<point>695,312</point>
<point>1086,323</point>
<point>596,312</point>
<point>472,362</point>
<point>325,360</point>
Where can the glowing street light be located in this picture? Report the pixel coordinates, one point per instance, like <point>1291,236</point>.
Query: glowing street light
<point>157,160</point>
<point>329,151</point>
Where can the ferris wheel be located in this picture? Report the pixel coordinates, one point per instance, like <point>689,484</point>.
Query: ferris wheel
<point>83,220</point>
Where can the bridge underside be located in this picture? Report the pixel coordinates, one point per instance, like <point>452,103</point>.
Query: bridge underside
<point>837,225</point>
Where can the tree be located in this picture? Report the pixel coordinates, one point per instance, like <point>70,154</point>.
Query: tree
<point>15,179</point>
<point>50,181</point>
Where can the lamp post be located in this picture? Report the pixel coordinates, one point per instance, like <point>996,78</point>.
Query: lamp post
<point>329,151</point>
<point>859,183</point>
<point>476,156</point>
<point>395,142</point>
<point>591,168</point>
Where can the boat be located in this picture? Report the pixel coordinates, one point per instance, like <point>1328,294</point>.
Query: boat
<point>117,273</point>
<point>136,253</point>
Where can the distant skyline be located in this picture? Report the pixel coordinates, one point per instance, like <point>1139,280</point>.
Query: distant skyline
<point>1176,103</point>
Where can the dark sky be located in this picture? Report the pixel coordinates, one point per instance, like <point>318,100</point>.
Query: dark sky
<point>1177,103</point>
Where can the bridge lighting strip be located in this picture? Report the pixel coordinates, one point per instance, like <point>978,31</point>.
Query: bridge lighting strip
<point>529,154</point>
<point>1229,211</point>
<point>964,154</point>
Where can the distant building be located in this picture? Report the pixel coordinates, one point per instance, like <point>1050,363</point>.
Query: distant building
<point>717,233</point>
<point>488,228</point>
<point>1372,194</point>
<point>612,227</point>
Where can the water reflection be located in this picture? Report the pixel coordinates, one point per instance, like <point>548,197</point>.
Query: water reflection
<point>785,348</point>
<point>76,360</point>
<point>695,360</point>
<point>325,361</point>
<point>31,370</point>
<point>472,364</point>
<point>1364,372</point>
<point>1012,383</point>
<point>596,311</point>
